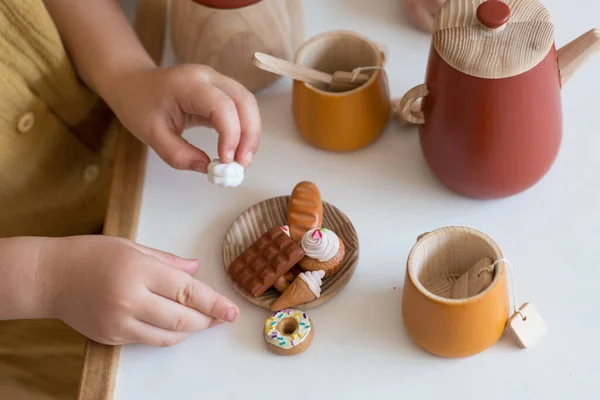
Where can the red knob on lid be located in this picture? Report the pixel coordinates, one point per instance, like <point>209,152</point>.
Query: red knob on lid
<point>493,13</point>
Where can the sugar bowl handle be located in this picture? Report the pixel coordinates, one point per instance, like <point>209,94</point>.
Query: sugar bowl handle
<point>405,108</point>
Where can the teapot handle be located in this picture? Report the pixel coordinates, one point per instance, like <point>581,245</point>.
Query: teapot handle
<point>405,111</point>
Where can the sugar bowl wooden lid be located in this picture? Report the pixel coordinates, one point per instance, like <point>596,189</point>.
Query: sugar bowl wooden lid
<point>493,39</point>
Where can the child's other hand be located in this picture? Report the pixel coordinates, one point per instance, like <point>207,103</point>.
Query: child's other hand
<point>157,104</point>
<point>422,12</point>
<point>115,292</point>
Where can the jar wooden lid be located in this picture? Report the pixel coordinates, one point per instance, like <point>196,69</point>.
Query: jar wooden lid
<point>493,39</point>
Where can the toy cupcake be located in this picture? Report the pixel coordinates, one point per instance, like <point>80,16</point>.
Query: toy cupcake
<point>324,251</point>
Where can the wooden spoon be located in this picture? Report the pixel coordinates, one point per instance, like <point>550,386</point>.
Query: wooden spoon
<point>340,80</point>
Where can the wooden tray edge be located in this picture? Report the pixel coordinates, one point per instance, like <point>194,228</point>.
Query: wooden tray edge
<point>101,362</point>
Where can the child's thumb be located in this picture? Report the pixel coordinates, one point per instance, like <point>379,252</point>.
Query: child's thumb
<point>177,152</point>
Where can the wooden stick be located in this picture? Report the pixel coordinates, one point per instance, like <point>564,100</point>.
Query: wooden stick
<point>286,68</point>
<point>101,362</point>
<point>305,74</point>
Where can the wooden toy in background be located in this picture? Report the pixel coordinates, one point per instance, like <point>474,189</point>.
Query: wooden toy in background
<point>341,121</point>
<point>438,323</point>
<point>339,81</point>
<point>225,34</point>
<point>259,265</point>
<point>491,119</point>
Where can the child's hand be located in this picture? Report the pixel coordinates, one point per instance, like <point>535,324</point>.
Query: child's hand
<point>116,292</point>
<point>422,12</point>
<point>157,104</point>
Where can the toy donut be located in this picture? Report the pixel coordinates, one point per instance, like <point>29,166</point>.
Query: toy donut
<point>288,332</point>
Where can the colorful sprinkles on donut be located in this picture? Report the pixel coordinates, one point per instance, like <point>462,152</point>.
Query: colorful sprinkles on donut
<point>287,328</point>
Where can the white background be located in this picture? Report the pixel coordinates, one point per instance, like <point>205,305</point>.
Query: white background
<point>551,233</point>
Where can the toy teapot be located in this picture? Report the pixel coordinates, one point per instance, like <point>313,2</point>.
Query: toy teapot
<point>491,115</point>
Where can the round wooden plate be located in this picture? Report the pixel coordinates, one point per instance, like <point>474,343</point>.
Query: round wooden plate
<point>263,216</point>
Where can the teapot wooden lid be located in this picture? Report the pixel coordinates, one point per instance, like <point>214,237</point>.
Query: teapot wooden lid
<point>493,39</point>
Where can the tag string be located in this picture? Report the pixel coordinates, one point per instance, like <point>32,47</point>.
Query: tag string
<point>512,281</point>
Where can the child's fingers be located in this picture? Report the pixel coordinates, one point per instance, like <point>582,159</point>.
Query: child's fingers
<point>167,314</point>
<point>247,148</point>
<point>193,120</point>
<point>150,335</point>
<point>200,97</point>
<point>189,266</point>
<point>249,114</point>
<point>176,151</point>
<point>190,292</point>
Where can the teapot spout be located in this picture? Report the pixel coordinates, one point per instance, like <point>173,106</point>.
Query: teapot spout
<point>572,56</point>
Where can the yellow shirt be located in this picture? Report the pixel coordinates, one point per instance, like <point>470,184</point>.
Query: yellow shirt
<point>55,151</point>
<point>55,167</point>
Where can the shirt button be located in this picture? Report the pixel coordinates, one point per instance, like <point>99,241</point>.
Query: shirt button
<point>26,122</point>
<point>91,172</point>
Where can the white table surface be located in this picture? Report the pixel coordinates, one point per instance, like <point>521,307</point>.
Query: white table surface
<point>551,233</point>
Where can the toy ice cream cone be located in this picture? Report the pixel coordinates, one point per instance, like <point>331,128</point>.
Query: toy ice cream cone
<point>306,287</point>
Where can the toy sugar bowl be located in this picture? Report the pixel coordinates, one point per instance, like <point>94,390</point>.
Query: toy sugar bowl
<point>342,121</point>
<point>455,301</point>
<point>490,118</point>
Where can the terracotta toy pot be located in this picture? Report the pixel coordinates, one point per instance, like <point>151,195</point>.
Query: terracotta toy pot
<point>439,324</point>
<point>491,117</point>
<point>341,121</point>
